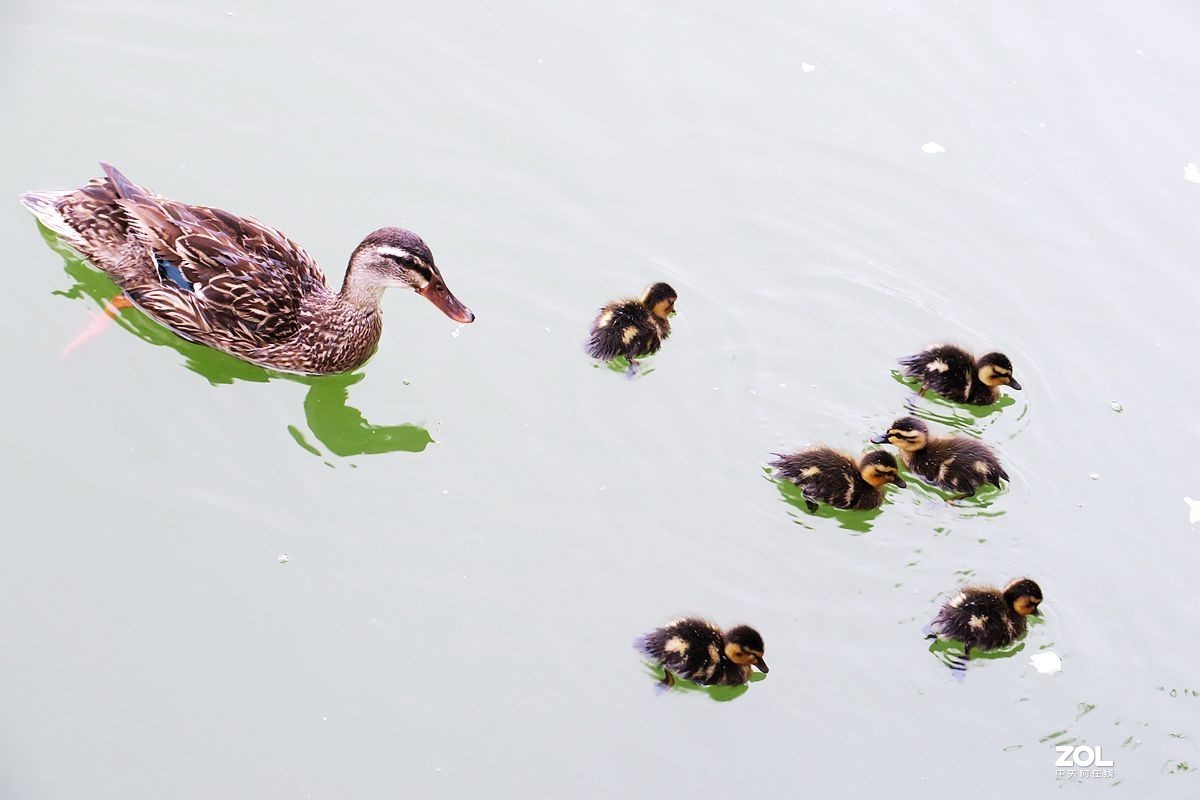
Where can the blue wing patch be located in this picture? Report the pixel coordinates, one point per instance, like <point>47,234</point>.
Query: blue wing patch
<point>170,272</point>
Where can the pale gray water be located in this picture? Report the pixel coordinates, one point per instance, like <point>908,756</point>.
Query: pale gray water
<point>458,621</point>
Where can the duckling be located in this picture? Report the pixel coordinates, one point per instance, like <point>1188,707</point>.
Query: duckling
<point>699,651</point>
<point>832,477</point>
<point>986,617</point>
<point>951,462</point>
<point>957,375</point>
<point>633,328</point>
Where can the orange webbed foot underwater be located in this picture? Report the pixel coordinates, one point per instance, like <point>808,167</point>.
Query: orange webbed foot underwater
<point>98,324</point>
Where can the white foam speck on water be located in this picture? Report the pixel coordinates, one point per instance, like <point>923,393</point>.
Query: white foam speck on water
<point>1046,663</point>
<point>1095,476</point>
<point>454,332</point>
<point>1117,407</point>
<point>1193,510</point>
<point>1137,51</point>
<point>932,148</point>
<point>1191,173</point>
<point>807,67</point>
<point>283,558</point>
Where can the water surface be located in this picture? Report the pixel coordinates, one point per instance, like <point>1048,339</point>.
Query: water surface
<point>479,522</point>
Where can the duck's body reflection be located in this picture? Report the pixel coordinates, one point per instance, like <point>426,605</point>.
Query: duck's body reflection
<point>332,421</point>
<point>343,429</point>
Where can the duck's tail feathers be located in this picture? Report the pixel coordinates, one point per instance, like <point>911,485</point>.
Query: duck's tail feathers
<point>642,645</point>
<point>600,349</point>
<point>45,206</point>
<point>779,462</point>
<point>126,189</point>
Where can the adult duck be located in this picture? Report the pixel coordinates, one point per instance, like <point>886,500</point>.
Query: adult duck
<point>235,284</point>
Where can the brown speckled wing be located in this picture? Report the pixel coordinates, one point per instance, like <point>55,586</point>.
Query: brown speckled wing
<point>230,272</point>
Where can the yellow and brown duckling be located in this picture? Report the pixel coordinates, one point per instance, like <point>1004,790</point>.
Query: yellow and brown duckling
<point>696,650</point>
<point>958,376</point>
<point>955,463</point>
<point>828,476</point>
<point>986,617</point>
<point>633,328</point>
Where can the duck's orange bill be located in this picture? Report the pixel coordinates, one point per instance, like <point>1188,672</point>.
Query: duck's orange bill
<point>437,293</point>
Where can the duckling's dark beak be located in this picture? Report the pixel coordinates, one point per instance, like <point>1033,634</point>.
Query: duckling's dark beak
<point>880,439</point>
<point>1035,612</point>
<point>437,293</point>
<point>899,482</point>
<point>1013,383</point>
<point>762,665</point>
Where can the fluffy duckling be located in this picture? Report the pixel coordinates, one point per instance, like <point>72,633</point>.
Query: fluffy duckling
<point>828,476</point>
<point>699,651</point>
<point>633,328</point>
<point>955,463</point>
<point>957,375</point>
<point>986,617</point>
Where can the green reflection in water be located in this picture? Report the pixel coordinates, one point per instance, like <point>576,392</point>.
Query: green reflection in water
<point>950,651</point>
<point>977,505</point>
<point>331,420</point>
<point>857,522</point>
<point>343,429</point>
<point>721,694</point>
<point>621,365</point>
<point>966,418</point>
